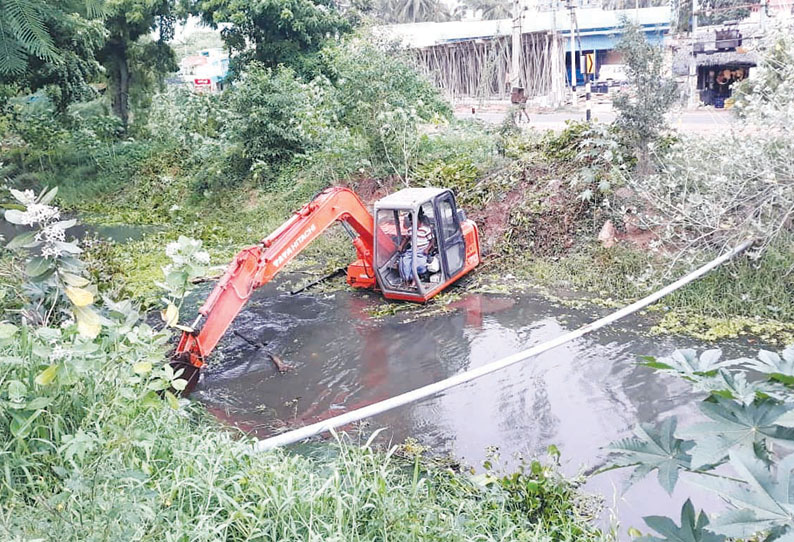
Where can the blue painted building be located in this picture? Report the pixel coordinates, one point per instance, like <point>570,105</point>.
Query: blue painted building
<point>472,58</point>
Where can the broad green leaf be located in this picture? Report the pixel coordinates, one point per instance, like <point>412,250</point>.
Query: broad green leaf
<point>47,196</point>
<point>21,423</point>
<point>38,266</point>
<point>38,403</point>
<point>764,502</point>
<point>732,385</point>
<point>79,296</point>
<point>23,240</point>
<point>777,367</point>
<point>46,377</point>
<point>17,391</point>
<point>734,426</point>
<point>7,331</point>
<point>66,224</point>
<point>179,384</point>
<point>692,528</point>
<point>687,363</point>
<point>15,217</point>
<point>654,448</point>
<point>74,280</point>
<point>70,248</point>
<point>151,399</point>
<point>78,444</point>
<point>19,195</point>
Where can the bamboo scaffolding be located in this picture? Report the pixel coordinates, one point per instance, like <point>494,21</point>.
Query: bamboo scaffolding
<point>479,69</point>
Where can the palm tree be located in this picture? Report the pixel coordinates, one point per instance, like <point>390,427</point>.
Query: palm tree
<point>23,33</point>
<point>490,9</point>
<point>414,11</point>
<point>25,29</point>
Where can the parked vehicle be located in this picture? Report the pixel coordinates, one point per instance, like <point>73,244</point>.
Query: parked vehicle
<point>612,74</point>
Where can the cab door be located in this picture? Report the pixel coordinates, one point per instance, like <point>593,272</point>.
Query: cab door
<point>452,246</point>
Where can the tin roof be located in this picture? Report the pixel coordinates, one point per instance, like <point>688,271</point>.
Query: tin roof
<point>408,198</point>
<point>592,21</point>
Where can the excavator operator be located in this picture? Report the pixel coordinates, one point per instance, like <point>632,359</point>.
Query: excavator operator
<point>425,263</point>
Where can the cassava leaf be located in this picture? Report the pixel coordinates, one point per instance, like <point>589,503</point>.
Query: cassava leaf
<point>764,501</point>
<point>687,363</point>
<point>654,448</point>
<point>780,368</point>
<point>692,528</point>
<point>732,385</point>
<point>734,426</point>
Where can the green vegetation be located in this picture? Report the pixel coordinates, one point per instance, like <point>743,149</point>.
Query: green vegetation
<point>741,450</point>
<point>95,443</point>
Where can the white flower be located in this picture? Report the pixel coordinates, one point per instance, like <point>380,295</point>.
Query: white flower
<point>59,353</point>
<point>172,250</point>
<point>52,233</point>
<point>38,213</point>
<point>51,251</point>
<point>202,257</point>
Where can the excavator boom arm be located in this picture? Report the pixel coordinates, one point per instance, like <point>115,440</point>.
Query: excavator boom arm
<point>256,265</point>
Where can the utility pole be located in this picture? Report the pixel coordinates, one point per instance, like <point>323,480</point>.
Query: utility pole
<point>557,92</point>
<point>583,66</point>
<point>588,114</point>
<point>693,73</point>
<point>573,51</point>
<point>762,15</point>
<point>515,67</point>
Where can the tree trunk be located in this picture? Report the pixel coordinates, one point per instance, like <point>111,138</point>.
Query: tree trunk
<point>121,83</point>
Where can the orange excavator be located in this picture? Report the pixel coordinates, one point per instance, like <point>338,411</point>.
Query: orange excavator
<point>417,244</point>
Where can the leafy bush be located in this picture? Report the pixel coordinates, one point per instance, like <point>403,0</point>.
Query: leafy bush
<point>381,97</point>
<point>712,192</point>
<point>276,117</point>
<point>641,113</point>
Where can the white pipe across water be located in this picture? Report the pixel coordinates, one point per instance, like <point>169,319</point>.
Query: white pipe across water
<point>291,437</point>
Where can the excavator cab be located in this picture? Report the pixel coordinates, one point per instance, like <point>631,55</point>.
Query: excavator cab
<point>423,243</point>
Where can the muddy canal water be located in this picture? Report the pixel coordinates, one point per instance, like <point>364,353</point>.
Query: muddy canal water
<point>579,396</point>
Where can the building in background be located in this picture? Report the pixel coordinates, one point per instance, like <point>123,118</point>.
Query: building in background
<point>472,59</point>
<point>206,71</point>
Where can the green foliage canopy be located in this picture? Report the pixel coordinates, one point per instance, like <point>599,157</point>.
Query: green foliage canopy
<point>274,32</point>
<point>50,45</point>
<point>641,111</point>
<point>126,21</point>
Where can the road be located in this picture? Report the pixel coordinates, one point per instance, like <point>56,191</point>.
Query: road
<point>694,121</point>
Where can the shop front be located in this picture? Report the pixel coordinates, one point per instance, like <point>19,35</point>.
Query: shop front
<point>718,73</point>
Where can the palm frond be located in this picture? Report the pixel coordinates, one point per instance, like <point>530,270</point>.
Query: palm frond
<point>25,18</point>
<point>12,54</point>
<point>96,9</point>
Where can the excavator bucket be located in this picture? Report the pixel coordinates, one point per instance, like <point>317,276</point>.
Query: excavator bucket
<point>186,371</point>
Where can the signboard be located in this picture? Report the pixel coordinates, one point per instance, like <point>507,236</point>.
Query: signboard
<point>589,63</point>
<point>198,82</point>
